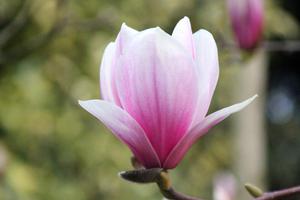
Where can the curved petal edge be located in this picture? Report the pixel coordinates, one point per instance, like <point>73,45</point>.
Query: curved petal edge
<point>208,69</point>
<point>125,128</point>
<point>184,35</point>
<point>199,130</point>
<point>107,68</point>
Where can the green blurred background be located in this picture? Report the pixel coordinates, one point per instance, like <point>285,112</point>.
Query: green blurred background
<point>50,51</point>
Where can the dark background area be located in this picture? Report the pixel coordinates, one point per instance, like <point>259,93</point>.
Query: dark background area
<point>283,118</point>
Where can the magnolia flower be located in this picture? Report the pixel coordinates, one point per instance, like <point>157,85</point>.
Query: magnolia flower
<point>247,21</point>
<point>156,91</point>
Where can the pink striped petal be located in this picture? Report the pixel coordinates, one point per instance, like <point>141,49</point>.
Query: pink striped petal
<point>107,69</point>
<point>208,70</point>
<point>125,128</point>
<point>199,130</point>
<point>184,35</point>
<point>158,86</point>
<point>107,83</point>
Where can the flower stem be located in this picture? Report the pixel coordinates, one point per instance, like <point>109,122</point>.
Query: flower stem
<point>172,194</point>
<point>158,176</point>
<point>168,191</point>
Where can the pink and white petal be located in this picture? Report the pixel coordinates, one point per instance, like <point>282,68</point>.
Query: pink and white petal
<point>158,86</point>
<point>107,69</point>
<point>124,38</point>
<point>107,76</point>
<point>125,128</point>
<point>199,130</point>
<point>208,69</point>
<point>184,35</point>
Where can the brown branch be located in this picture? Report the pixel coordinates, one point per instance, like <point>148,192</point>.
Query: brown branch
<point>172,194</point>
<point>161,178</point>
<point>287,45</point>
<point>268,45</point>
<point>158,176</point>
<point>15,25</point>
<point>35,42</point>
<point>258,194</point>
<point>280,194</point>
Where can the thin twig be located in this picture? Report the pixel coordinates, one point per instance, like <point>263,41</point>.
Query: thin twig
<point>164,183</point>
<point>268,45</point>
<point>15,25</point>
<point>285,46</point>
<point>280,194</point>
<point>172,194</point>
<point>36,41</point>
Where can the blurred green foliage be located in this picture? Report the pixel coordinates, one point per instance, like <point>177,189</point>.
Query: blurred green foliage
<point>50,51</point>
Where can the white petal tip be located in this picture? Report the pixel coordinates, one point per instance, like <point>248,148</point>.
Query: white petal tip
<point>206,32</point>
<point>236,107</point>
<point>185,21</point>
<point>86,103</point>
<point>252,98</point>
<point>124,25</point>
<point>245,103</point>
<point>186,18</point>
<point>125,28</point>
<point>81,102</point>
<point>158,30</point>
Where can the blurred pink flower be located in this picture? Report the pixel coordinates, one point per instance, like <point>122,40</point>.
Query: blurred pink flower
<point>247,21</point>
<point>225,187</point>
<point>157,89</point>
